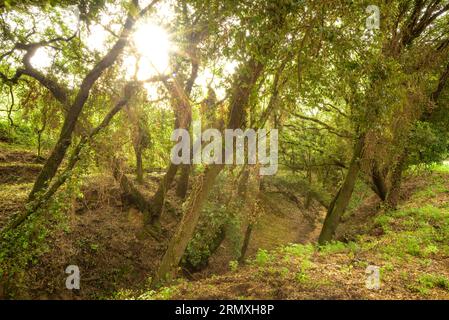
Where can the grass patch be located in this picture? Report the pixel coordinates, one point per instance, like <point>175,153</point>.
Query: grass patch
<point>338,247</point>
<point>299,250</point>
<point>419,232</point>
<point>440,167</point>
<point>431,191</point>
<point>427,282</point>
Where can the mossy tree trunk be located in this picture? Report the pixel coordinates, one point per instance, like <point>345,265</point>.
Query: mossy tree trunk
<point>378,180</point>
<point>139,166</point>
<point>183,183</point>
<point>247,237</point>
<point>178,243</point>
<point>341,200</point>
<point>244,84</point>
<point>394,193</point>
<point>158,199</point>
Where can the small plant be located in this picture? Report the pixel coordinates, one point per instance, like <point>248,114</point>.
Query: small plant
<point>388,267</point>
<point>384,222</point>
<point>440,167</point>
<point>337,246</point>
<point>430,249</point>
<point>302,277</point>
<point>262,257</point>
<point>284,272</point>
<point>166,293</point>
<point>233,265</point>
<point>430,281</point>
<point>346,269</point>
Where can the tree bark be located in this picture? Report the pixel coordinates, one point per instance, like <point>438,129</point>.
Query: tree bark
<point>139,165</point>
<point>242,192</point>
<point>343,197</point>
<point>394,193</point>
<point>183,113</point>
<point>378,180</point>
<point>246,239</point>
<point>158,199</point>
<point>242,184</point>
<point>134,195</point>
<point>178,243</point>
<point>183,183</point>
<point>309,180</point>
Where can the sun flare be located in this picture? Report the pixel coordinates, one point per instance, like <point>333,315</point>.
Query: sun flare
<point>42,59</point>
<point>152,49</point>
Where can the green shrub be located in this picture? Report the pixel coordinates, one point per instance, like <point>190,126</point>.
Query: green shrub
<point>428,144</point>
<point>20,134</point>
<point>440,167</point>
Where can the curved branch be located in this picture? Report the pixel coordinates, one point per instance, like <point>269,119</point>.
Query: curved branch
<point>329,128</point>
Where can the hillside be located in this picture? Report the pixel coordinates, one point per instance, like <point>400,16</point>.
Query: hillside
<point>103,234</point>
<point>409,245</point>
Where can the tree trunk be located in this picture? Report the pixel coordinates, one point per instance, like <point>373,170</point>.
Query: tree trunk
<point>248,232</point>
<point>343,197</point>
<point>159,197</point>
<point>243,181</point>
<point>139,166</point>
<point>242,88</point>
<point>309,193</point>
<point>183,183</point>
<point>178,243</point>
<point>39,143</point>
<point>393,195</point>
<point>183,118</point>
<point>134,195</point>
<point>378,179</point>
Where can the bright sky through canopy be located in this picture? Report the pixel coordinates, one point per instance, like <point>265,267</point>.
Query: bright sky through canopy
<point>42,58</point>
<point>149,48</point>
<point>152,45</point>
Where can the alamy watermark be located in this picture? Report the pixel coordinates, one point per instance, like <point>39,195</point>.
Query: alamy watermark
<point>73,280</point>
<point>373,279</point>
<point>373,21</point>
<point>210,147</point>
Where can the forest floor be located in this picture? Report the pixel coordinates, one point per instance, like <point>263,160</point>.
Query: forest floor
<point>410,246</point>
<point>116,258</point>
<point>104,236</point>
